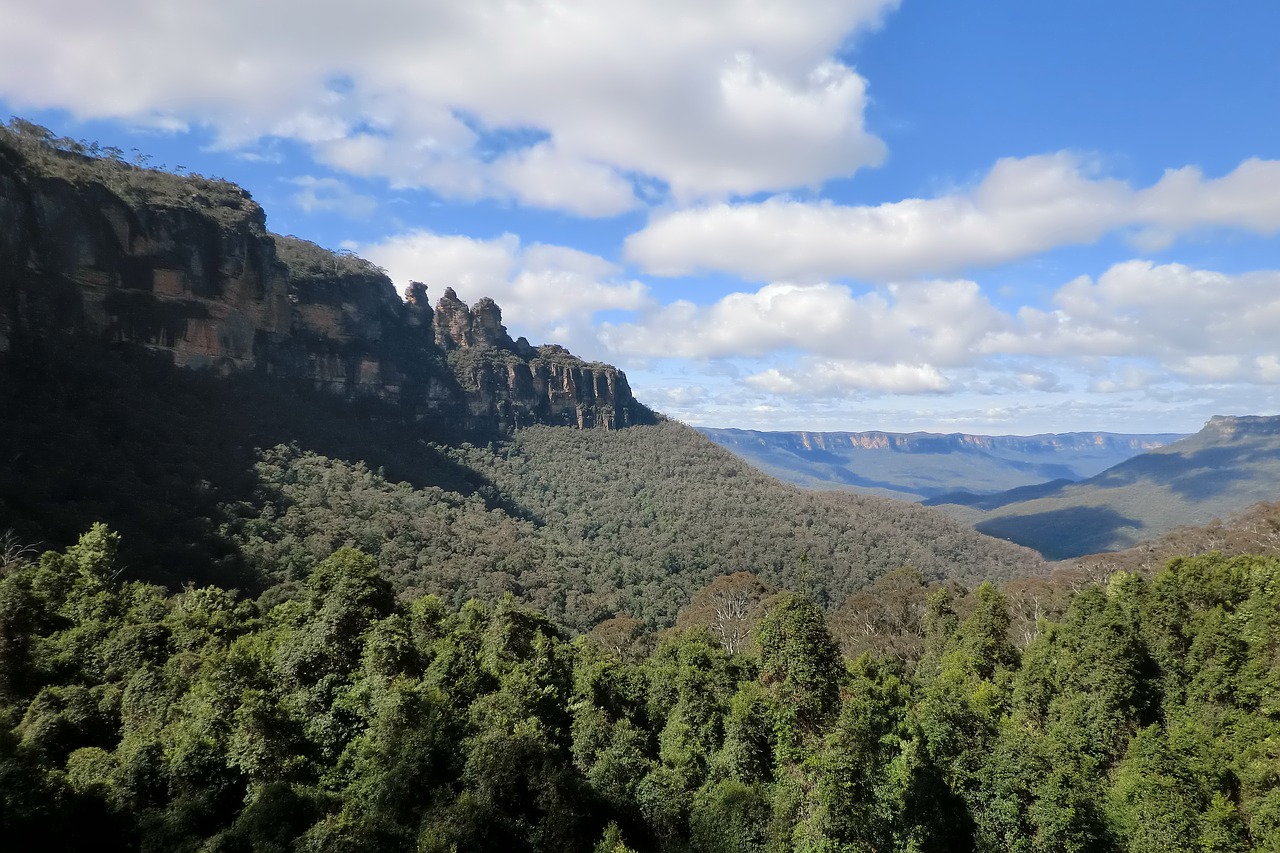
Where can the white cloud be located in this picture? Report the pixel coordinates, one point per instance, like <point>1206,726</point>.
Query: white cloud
<point>1138,309</point>
<point>1020,208</point>
<point>330,194</point>
<point>713,98</point>
<point>1037,380</point>
<point>1267,368</point>
<point>838,378</point>
<point>677,398</point>
<point>1139,328</point>
<point>1127,377</point>
<point>1214,368</point>
<point>1184,200</point>
<point>542,176</point>
<point>546,292</point>
<point>939,322</point>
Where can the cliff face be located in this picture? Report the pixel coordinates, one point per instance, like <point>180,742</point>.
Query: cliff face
<point>921,465</point>
<point>185,267</point>
<point>1231,427</point>
<point>518,384</point>
<point>925,442</point>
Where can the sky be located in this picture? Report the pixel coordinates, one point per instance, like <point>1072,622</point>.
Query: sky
<point>1002,218</point>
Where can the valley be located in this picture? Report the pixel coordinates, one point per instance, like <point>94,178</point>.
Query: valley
<point>290,563</point>
<point>926,466</point>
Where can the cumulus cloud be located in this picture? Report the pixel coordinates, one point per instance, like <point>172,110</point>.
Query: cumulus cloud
<point>546,103</point>
<point>838,378</point>
<point>330,194</point>
<point>1023,206</point>
<point>549,292</point>
<point>1169,312</point>
<point>1135,328</point>
<point>542,176</point>
<point>939,322</point>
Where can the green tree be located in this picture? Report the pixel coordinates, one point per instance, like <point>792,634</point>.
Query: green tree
<point>802,670</point>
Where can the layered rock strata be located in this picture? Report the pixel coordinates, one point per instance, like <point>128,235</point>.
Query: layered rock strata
<point>185,267</point>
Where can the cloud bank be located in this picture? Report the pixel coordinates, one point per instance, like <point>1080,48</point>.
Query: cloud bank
<point>1137,326</point>
<point>548,104</point>
<point>1023,206</point>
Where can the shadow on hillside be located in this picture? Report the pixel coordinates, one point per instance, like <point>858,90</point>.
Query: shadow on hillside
<point>999,499</point>
<point>1197,475</point>
<point>815,469</point>
<point>1061,534</point>
<point>91,434</point>
<point>1205,485</point>
<point>1215,470</point>
<point>1160,467</point>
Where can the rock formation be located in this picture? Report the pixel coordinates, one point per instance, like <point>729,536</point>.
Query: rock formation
<point>1232,427</point>
<point>184,267</point>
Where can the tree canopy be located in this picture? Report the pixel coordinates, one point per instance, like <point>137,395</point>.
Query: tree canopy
<point>341,717</point>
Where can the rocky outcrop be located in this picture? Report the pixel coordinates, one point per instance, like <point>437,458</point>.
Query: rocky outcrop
<point>519,384</point>
<point>928,442</point>
<point>184,267</point>
<point>1232,427</point>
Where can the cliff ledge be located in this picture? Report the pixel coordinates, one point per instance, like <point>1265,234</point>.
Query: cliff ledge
<point>183,266</point>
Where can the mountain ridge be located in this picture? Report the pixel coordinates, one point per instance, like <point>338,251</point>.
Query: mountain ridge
<point>238,405</point>
<point>1232,463</point>
<point>923,465</point>
<point>185,268</point>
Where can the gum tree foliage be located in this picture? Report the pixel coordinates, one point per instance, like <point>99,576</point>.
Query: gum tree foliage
<point>340,717</point>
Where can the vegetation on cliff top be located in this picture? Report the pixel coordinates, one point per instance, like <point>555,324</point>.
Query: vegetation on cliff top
<point>307,261</point>
<point>132,181</point>
<point>140,185</point>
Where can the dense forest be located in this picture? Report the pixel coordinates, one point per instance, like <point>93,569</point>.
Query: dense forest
<point>248,481</point>
<point>1144,718</point>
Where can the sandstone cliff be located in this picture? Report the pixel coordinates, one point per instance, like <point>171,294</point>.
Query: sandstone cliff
<point>184,267</point>
<point>923,465</point>
<point>1096,443</point>
<point>1232,427</point>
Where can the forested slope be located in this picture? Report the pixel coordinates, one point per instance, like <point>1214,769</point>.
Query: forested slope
<point>248,481</point>
<point>1232,463</point>
<point>1141,718</point>
<point>665,499</point>
<point>586,524</point>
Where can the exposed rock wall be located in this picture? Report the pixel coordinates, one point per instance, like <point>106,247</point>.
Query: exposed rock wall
<point>520,384</point>
<point>1231,427</point>
<point>79,259</point>
<point>185,267</point>
<point>925,442</point>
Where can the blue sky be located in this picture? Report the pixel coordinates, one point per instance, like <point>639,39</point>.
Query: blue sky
<point>1005,217</point>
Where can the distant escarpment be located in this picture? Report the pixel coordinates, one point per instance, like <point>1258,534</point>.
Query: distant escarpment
<point>184,267</point>
<point>1231,464</point>
<point>924,466</point>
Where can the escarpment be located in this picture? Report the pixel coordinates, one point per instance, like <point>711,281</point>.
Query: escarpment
<point>184,267</point>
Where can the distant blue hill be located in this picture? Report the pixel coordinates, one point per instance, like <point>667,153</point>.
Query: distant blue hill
<point>930,466</point>
<point>1231,464</point>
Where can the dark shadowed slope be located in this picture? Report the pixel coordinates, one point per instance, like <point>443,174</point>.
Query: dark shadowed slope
<point>239,405</point>
<point>1230,464</point>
